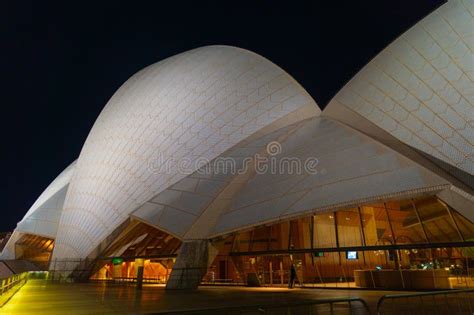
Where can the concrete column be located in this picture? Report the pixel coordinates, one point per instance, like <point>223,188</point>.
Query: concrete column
<point>194,258</point>
<point>139,268</point>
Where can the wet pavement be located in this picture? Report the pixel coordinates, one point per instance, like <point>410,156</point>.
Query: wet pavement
<point>43,297</point>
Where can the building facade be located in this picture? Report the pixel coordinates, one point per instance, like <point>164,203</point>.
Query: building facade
<point>215,165</point>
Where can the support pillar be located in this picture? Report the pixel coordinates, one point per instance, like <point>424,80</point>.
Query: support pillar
<point>194,258</point>
<point>139,265</point>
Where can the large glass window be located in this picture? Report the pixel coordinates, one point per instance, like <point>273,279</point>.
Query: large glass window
<point>437,222</point>
<point>348,228</point>
<point>324,230</point>
<point>386,229</point>
<point>465,226</point>
<point>260,239</point>
<point>406,225</point>
<point>377,229</point>
<point>280,236</point>
<point>300,233</point>
<point>242,242</point>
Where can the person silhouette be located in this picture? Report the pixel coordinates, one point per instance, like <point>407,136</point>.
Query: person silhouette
<point>291,283</point>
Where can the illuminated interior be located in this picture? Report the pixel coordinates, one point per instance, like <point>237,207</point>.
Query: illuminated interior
<point>34,248</point>
<point>336,248</point>
<point>138,244</point>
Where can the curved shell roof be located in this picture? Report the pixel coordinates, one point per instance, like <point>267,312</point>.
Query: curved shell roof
<point>192,106</point>
<point>420,89</point>
<point>212,203</point>
<point>44,215</point>
<point>57,184</point>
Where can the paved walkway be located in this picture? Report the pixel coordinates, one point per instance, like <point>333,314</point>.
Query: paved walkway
<point>41,297</point>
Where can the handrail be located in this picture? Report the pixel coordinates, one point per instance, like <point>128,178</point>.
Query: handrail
<point>419,294</point>
<point>261,307</point>
<point>10,283</point>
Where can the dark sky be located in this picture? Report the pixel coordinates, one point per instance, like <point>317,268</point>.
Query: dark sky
<point>61,61</point>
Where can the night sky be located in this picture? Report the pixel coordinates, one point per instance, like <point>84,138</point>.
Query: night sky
<point>61,62</point>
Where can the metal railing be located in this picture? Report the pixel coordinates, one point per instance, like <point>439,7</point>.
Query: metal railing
<point>345,305</point>
<point>435,302</point>
<point>129,280</point>
<point>10,285</point>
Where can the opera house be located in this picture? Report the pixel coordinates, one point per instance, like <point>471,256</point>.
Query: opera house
<point>216,166</point>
